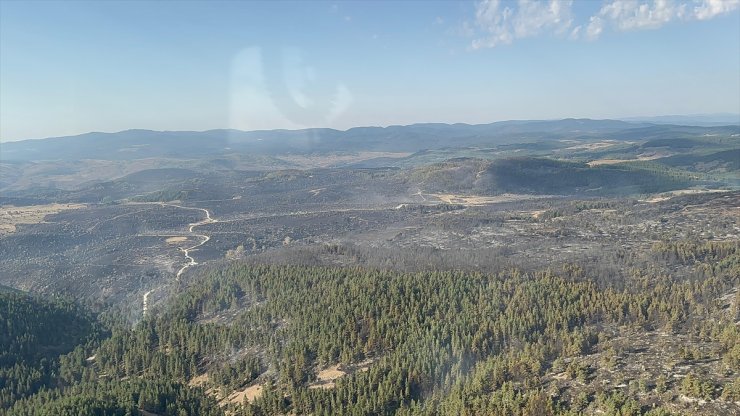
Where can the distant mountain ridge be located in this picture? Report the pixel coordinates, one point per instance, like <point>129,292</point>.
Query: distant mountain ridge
<point>704,120</point>
<point>139,144</point>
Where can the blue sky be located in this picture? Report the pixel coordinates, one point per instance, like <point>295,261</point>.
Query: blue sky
<point>73,67</point>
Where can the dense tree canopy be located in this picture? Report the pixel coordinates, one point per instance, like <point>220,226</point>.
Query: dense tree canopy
<point>431,342</point>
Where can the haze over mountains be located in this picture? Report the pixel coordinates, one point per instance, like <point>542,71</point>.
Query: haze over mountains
<point>76,163</point>
<point>136,144</point>
<point>715,119</point>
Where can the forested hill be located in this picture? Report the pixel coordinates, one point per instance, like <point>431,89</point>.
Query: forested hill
<point>34,332</point>
<point>47,349</point>
<point>272,340</point>
<point>547,176</point>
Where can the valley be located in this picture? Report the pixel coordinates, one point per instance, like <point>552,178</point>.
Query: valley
<point>266,270</point>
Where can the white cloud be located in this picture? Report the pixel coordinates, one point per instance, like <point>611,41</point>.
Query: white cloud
<point>500,22</point>
<point>497,24</point>
<point>628,15</point>
<point>711,8</point>
<point>576,32</point>
<point>595,27</point>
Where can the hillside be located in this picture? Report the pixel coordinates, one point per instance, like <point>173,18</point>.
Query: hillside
<point>544,176</point>
<point>313,340</point>
<point>35,333</point>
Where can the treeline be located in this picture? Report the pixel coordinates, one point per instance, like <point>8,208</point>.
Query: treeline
<point>166,195</point>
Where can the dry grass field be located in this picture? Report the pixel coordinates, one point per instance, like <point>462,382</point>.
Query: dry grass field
<point>12,216</point>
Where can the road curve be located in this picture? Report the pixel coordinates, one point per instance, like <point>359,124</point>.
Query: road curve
<point>191,227</point>
<point>185,250</point>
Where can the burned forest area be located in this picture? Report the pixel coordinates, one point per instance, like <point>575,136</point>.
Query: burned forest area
<point>544,268</point>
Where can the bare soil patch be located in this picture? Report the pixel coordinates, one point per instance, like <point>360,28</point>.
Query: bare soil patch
<point>11,216</point>
<point>599,162</point>
<point>536,214</point>
<point>176,240</point>
<point>478,200</point>
<point>327,377</point>
<point>668,195</point>
<point>199,380</point>
<point>593,146</point>
<point>250,393</point>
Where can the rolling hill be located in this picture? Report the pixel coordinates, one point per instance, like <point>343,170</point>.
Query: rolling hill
<point>137,144</point>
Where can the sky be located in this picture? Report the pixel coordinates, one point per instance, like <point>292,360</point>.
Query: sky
<point>74,67</point>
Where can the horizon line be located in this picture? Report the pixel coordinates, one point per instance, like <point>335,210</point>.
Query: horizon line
<point>630,119</point>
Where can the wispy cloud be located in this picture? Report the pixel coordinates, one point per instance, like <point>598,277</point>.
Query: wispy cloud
<point>629,15</point>
<point>711,8</point>
<point>501,23</point>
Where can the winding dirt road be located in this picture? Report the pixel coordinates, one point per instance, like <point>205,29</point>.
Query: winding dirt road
<point>146,302</point>
<point>185,250</point>
<point>191,227</point>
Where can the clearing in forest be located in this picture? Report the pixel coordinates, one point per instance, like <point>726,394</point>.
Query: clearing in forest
<point>250,393</point>
<point>11,216</point>
<point>477,200</point>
